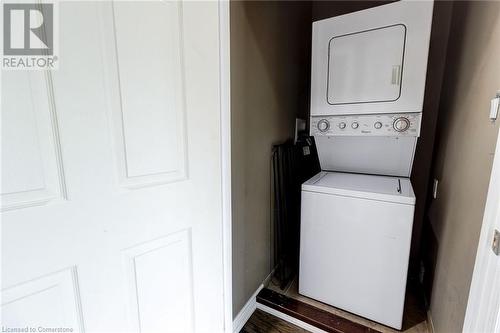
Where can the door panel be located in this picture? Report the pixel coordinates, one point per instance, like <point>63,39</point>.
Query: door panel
<point>32,172</point>
<point>152,97</point>
<point>26,304</point>
<point>366,66</point>
<point>158,305</point>
<point>130,240</point>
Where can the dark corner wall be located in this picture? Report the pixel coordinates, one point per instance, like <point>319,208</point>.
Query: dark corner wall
<point>322,9</point>
<point>269,88</point>
<point>463,160</point>
<point>421,171</point>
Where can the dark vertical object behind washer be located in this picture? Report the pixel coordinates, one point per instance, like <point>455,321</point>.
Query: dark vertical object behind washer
<point>293,164</point>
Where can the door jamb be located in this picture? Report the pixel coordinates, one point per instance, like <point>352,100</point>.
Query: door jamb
<point>225,146</point>
<point>483,290</point>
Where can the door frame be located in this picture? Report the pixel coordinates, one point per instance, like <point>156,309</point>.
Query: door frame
<point>225,146</point>
<point>484,292</point>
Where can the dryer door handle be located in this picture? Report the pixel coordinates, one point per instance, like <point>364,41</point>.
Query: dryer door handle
<point>396,75</point>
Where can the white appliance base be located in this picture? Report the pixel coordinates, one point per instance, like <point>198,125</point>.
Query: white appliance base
<point>354,254</point>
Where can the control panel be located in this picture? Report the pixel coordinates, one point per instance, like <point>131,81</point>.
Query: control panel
<point>402,124</point>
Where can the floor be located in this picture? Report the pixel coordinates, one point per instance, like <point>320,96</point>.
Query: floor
<point>414,319</point>
<point>262,322</point>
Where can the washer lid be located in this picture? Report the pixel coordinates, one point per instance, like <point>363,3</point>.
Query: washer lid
<point>384,188</point>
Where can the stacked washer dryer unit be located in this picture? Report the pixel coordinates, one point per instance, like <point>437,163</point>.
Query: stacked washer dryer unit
<point>367,90</point>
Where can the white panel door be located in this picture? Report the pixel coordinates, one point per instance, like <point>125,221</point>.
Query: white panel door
<point>483,306</point>
<point>111,174</point>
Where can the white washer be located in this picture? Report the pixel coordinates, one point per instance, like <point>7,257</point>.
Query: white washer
<point>355,241</point>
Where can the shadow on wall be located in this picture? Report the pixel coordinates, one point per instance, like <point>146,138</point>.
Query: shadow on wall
<point>421,171</point>
<point>269,88</point>
<point>430,244</point>
<point>463,160</point>
<point>282,32</point>
<point>325,9</point>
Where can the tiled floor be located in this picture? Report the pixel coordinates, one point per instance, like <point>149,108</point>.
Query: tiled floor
<point>414,319</point>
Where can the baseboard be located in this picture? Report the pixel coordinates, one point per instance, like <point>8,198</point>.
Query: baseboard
<point>250,306</point>
<point>268,278</point>
<point>290,319</point>
<point>430,324</point>
<point>245,313</point>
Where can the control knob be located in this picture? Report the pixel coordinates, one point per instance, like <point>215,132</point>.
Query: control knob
<point>342,125</point>
<point>355,125</point>
<point>378,125</point>
<point>401,124</point>
<point>323,125</point>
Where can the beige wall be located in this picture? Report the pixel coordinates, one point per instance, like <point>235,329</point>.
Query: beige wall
<point>464,156</point>
<point>269,82</point>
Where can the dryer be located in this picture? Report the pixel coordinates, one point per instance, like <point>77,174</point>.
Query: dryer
<point>371,61</point>
<point>367,86</point>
